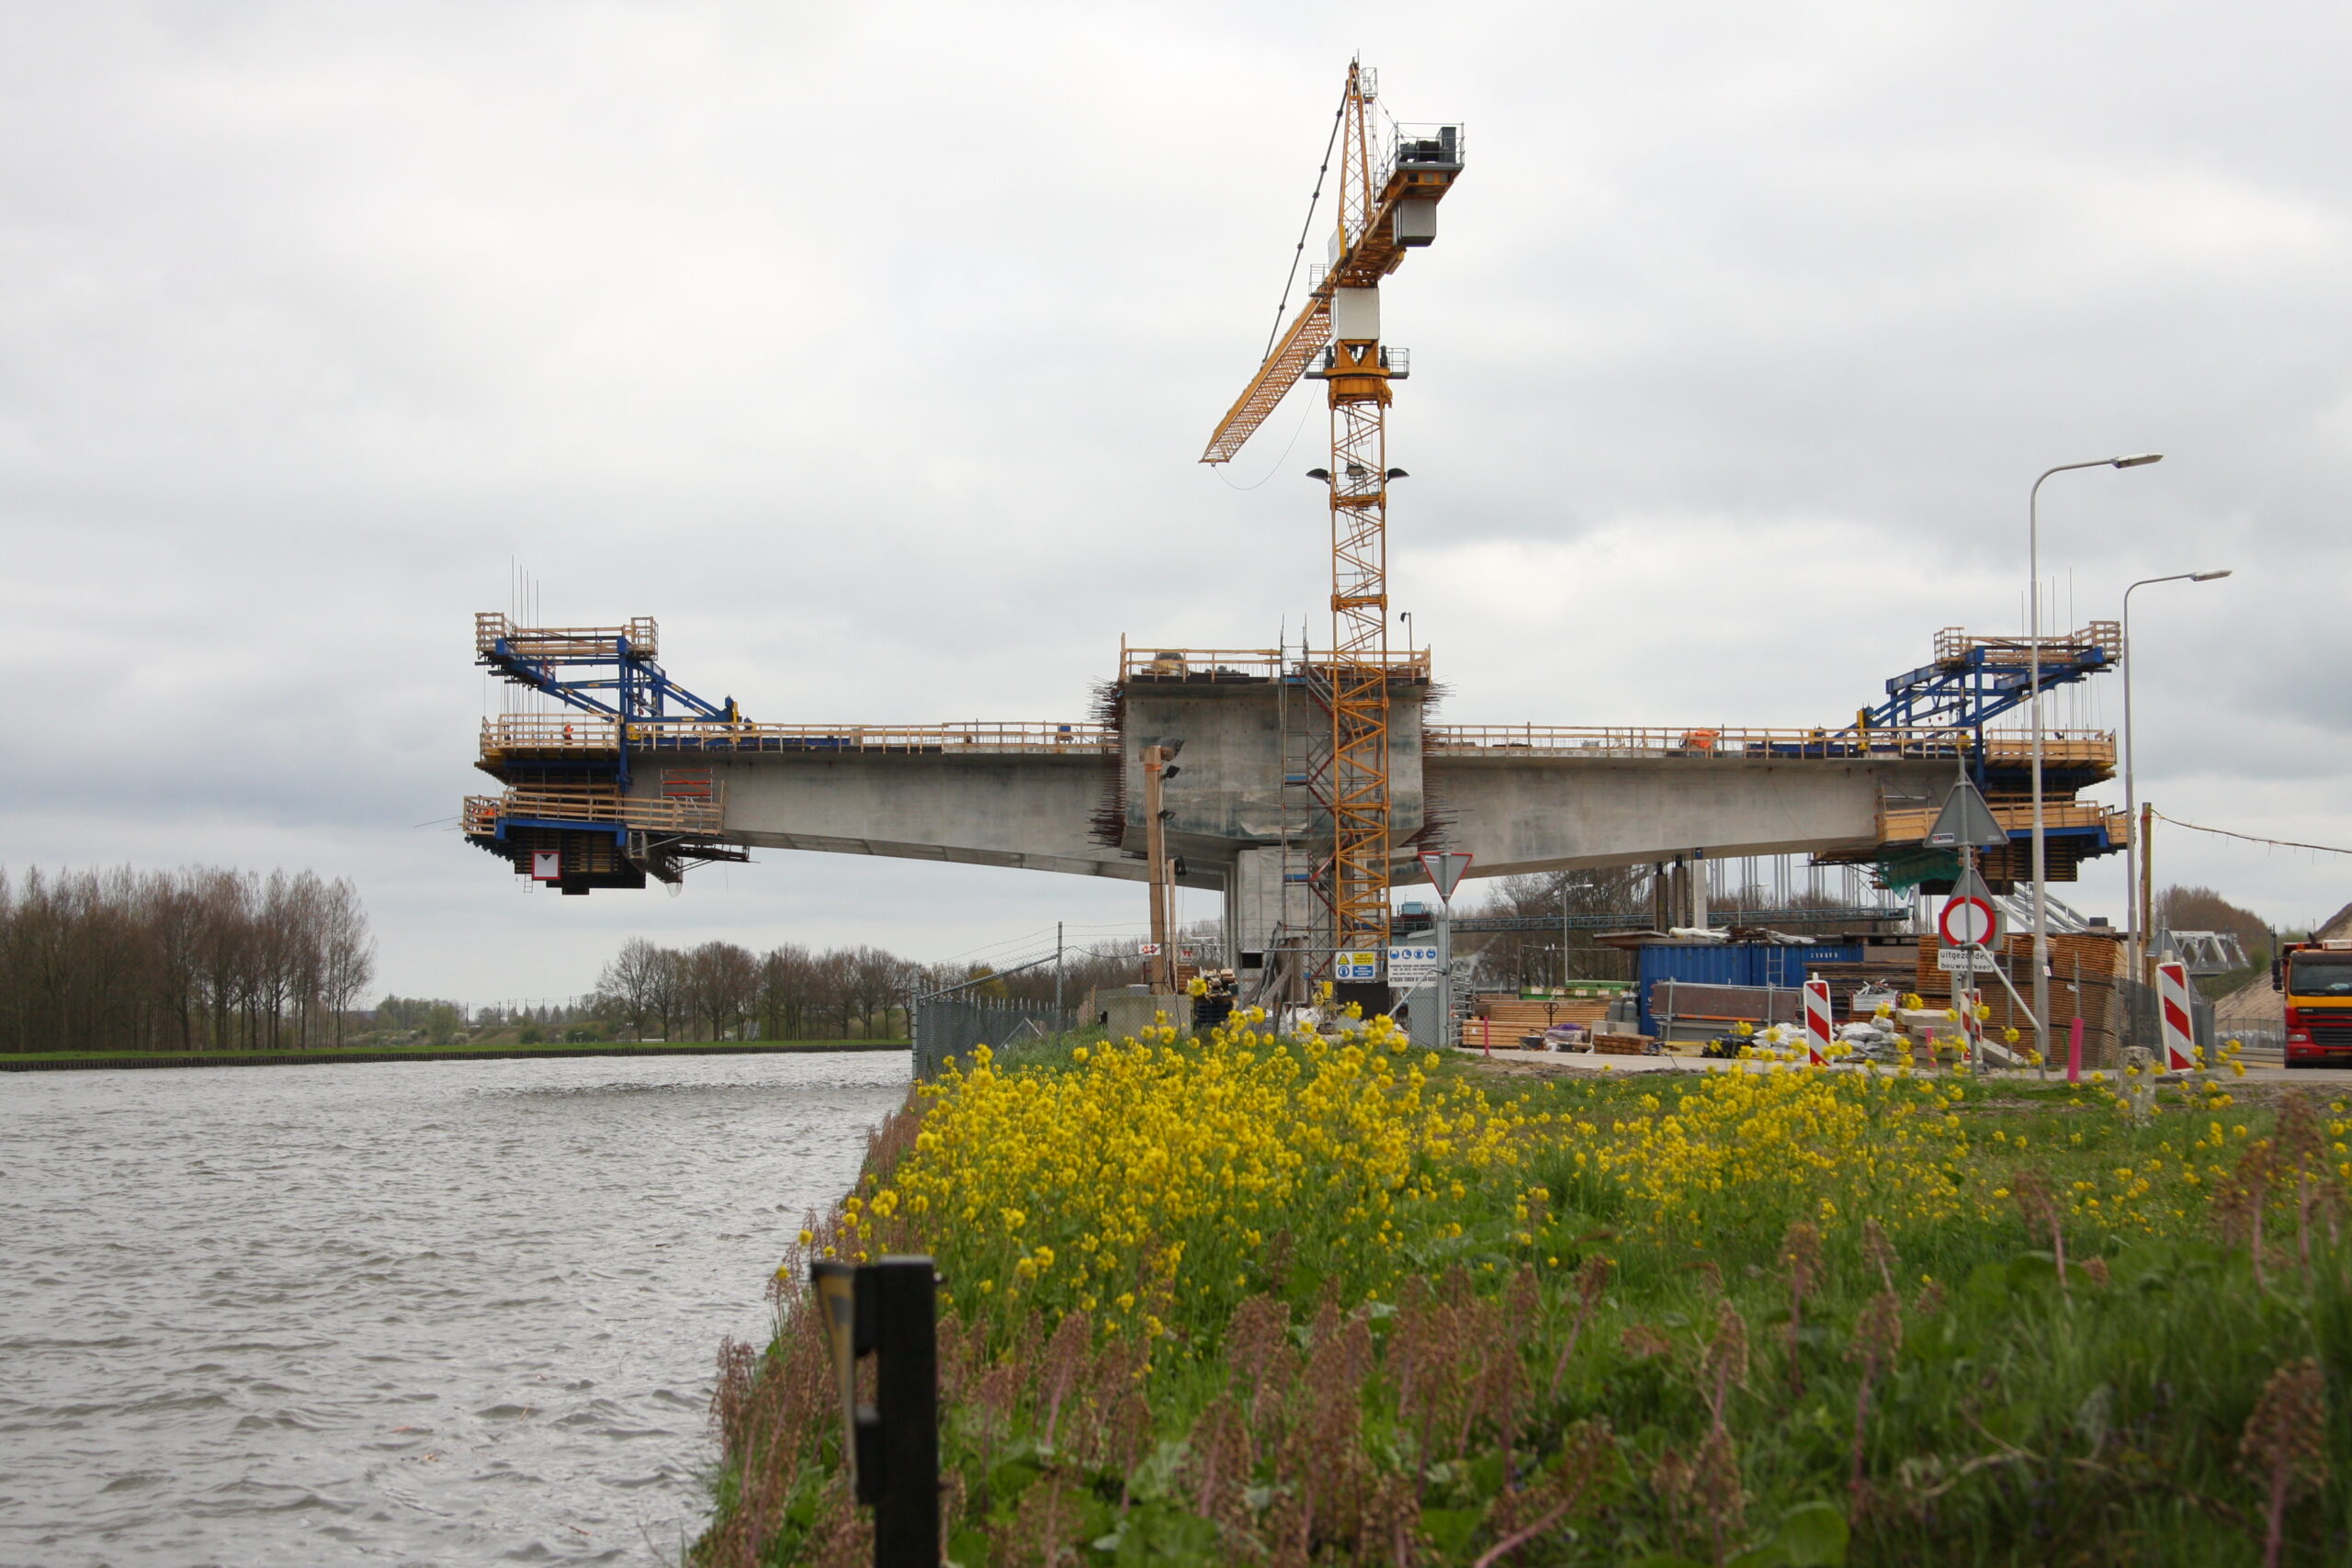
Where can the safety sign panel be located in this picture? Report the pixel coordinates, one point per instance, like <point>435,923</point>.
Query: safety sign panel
<point>1412,965</point>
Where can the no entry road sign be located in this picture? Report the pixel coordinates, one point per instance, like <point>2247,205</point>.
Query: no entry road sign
<point>1968,921</point>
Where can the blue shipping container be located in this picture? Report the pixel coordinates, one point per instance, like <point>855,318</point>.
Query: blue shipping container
<point>1732,964</point>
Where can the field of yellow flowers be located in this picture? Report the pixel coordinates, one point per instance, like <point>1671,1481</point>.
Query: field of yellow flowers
<point>1244,1299</point>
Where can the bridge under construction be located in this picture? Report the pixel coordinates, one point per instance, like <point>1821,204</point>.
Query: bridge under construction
<point>635,777</point>
<point>1302,783</point>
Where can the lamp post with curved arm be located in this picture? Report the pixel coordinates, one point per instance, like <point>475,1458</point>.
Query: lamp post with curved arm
<point>2034,686</point>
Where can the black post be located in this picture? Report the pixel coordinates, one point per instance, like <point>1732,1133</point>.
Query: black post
<point>906,1355</point>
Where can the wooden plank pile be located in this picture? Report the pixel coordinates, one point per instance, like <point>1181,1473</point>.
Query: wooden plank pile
<point>1512,1015</point>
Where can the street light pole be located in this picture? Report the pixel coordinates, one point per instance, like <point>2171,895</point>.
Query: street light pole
<point>2034,686</point>
<point>2138,919</point>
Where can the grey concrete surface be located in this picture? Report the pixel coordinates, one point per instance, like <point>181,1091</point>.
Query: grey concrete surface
<point>1079,813</point>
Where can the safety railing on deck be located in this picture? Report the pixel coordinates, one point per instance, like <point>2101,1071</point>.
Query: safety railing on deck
<point>544,733</point>
<point>1953,644</point>
<point>595,807</point>
<point>1634,740</point>
<point>1700,741</point>
<point>581,734</point>
<point>2060,748</point>
<point>493,627</point>
<point>1203,665</point>
<point>1152,663</point>
<point>1909,825</point>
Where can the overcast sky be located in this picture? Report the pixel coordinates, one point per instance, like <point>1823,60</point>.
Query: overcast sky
<point>871,348</point>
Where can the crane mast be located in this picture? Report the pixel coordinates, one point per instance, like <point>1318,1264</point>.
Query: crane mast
<point>1387,200</point>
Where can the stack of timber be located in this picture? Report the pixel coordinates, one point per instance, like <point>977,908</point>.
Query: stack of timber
<point>2084,969</point>
<point>1512,1016</point>
<point>1623,1045</point>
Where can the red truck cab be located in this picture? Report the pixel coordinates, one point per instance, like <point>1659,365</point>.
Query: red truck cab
<point>2316,978</point>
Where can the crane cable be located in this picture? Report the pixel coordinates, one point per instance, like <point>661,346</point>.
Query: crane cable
<point>1305,226</point>
<point>1298,253</point>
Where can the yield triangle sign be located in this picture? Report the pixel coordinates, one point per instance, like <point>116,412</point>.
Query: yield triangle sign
<point>1445,871</point>
<point>1966,822</point>
<point>1969,884</point>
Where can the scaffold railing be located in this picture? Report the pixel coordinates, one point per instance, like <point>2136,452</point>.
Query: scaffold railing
<point>592,806</point>
<point>1747,745</point>
<point>1910,825</point>
<point>1954,644</point>
<point>511,734</point>
<point>493,627</point>
<point>1154,662</point>
<point>585,735</point>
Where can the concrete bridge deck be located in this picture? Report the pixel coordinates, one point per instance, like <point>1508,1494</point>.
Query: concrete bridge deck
<point>642,777</point>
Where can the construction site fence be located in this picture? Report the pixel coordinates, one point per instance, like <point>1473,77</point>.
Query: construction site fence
<point>2143,1021</point>
<point>952,1026</point>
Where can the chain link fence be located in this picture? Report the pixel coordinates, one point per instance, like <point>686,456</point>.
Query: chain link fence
<point>951,1026</point>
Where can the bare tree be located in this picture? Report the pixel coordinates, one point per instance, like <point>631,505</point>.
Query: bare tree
<point>633,983</point>
<point>876,982</point>
<point>722,983</point>
<point>785,975</point>
<point>348,955</point>
<point>190,959</point>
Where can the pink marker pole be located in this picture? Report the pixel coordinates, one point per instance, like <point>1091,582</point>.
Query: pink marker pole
<point>2074,1051</point>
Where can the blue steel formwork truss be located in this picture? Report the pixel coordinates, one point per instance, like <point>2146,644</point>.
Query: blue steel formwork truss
<point>1975,680</point>
<point>609,671</point>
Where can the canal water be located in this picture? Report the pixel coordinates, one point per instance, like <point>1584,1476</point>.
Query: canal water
<point>432,1313</point>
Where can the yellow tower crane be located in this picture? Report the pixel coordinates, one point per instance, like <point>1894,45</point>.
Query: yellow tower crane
<point>1389,188</point>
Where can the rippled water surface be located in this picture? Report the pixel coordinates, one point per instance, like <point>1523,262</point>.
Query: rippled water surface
<point>415,1313</point>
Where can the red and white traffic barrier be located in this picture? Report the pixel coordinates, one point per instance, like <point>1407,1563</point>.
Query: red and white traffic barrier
<point>1817,1029</point>
<point>2178,1028</point>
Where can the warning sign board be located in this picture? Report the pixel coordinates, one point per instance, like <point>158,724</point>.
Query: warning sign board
<point>1412,965</point>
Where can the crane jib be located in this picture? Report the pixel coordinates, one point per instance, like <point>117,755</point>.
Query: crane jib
<point>1402,219</point>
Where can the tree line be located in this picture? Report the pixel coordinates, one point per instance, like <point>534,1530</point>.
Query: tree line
<point>197,959</point>
<point>721,990</point>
